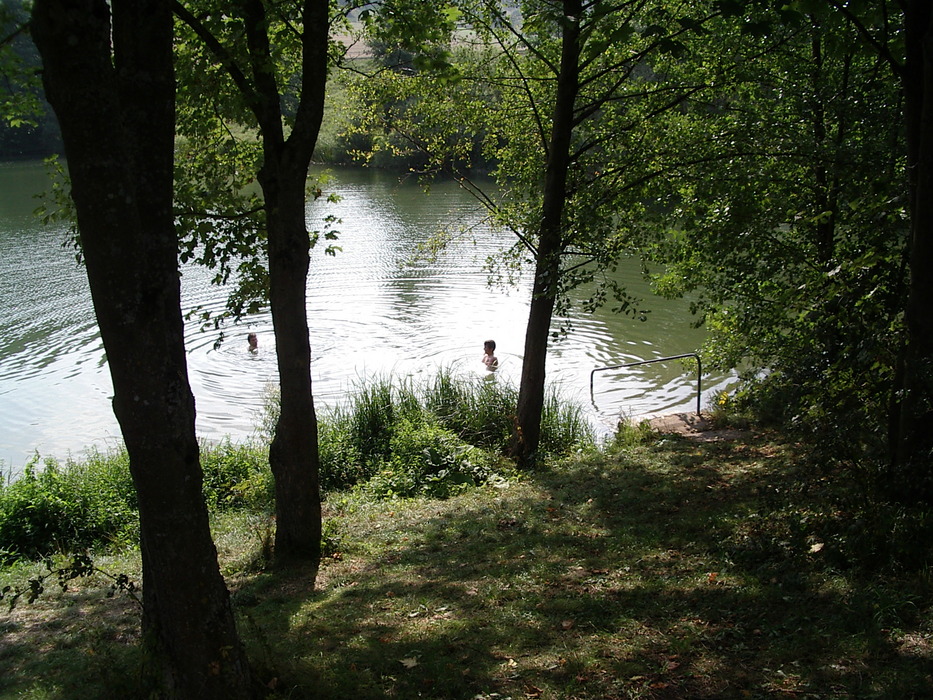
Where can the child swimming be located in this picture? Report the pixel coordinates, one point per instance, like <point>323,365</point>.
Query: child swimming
<point>489,355</point>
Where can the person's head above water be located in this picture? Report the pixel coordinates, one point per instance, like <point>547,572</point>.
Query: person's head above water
<point>253,341</point>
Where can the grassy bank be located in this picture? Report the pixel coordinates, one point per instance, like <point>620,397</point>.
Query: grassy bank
<point>672,569</point>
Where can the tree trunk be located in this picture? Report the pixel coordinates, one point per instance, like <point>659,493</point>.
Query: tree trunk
<point>527,431</point>
<point>912,414</point>
<point>293,454</point>
<point>115,105</point>
<point>527,434</point>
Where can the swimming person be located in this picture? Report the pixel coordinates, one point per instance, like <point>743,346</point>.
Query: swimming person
<point>489,355</point>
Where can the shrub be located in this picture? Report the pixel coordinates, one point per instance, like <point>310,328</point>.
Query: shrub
<point>428,460</point>
<point>236,476</point>
<point>51,509</point>
<point>433,437</point>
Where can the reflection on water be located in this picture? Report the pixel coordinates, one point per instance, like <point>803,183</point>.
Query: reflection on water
<point>372,311</point>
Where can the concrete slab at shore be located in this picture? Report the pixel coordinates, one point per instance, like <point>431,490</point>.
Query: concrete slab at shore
<point>693,426</point>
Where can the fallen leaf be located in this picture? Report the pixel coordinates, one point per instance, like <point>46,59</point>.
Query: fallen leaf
<point>410,662</point>
<point>816,547</point>
<point>566,624</point>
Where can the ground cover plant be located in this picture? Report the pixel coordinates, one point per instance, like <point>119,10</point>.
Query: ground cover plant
<point>667,569</point>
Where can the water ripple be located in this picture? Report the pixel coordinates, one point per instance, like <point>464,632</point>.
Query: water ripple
<point>374,309</point>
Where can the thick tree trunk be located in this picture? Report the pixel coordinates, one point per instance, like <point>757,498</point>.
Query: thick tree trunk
<point>527,434</point>
<point>115,105</point>
<point>912,414</point>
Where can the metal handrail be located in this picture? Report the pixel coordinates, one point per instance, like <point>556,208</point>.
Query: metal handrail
<point>660,359</point>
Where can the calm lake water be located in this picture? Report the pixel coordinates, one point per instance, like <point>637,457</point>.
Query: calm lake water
<point>372,312</point>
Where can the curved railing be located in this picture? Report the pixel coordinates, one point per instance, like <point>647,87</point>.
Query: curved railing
<point>648,362</point>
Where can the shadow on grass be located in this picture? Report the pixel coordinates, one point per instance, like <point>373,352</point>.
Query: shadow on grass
<point>77,644</point>
<point>603,579</point>
<point>655,573</point>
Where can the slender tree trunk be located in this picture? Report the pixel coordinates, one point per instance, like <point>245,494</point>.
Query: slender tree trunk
<point>912,413</point>
<point>293,454</point>
<point>527,432</point>
<point>115,105</point>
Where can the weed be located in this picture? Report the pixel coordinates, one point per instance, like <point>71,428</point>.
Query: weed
<point>54,509</point>
<point>236,475</point>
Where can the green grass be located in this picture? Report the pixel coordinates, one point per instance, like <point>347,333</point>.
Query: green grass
<point>666,569</point>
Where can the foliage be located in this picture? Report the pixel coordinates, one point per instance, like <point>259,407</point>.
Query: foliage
<point>481,411</point>
<point>27,126</point>
<point>220,207</point>
<point>505,61</point>
<point>52,508</point>
<point>388,433</point>
<point>78,566</point>
<point>425,459</point>
<point>565,101</point>
<point>564,427</point>
<point>236,476</point>
<point>403,435</point>
<point>787,225</point>
<point>79,505</point>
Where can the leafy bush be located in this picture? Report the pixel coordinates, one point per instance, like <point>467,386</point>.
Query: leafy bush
<point>236,476</point>
<point>428,460</point>
<point>433,437</point>
<point>51,509</point>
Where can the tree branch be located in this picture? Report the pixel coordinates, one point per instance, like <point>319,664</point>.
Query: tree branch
<point>219,50</point>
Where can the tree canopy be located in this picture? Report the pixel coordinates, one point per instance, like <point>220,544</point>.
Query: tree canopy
<point>568,107</point>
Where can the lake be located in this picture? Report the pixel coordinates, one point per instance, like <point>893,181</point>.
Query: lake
<point>373,311</point>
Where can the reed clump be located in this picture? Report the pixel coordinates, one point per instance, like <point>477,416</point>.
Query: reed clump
<point>390,438</point>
